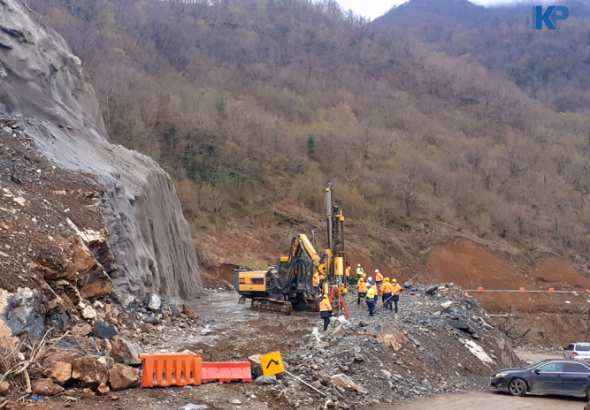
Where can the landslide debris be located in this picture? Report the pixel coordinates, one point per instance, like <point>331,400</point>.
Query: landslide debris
<point>132,209</point>
<point>440,342</point>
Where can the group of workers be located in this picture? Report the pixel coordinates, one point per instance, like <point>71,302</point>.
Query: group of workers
<point>366,289</point>
<point>371,290</point>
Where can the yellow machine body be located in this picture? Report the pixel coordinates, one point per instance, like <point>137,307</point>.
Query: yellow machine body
<point>252,281</point>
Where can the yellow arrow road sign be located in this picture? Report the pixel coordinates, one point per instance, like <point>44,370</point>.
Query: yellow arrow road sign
<point>272,364</point>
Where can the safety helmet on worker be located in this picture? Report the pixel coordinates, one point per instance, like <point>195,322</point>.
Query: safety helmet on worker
<point>386,279</point>
<point>325,296</point>
<point>371,281</point>
<point>376,270</point>
<point>395,280</point>
<point>359,264</point>
<point>370,278</point>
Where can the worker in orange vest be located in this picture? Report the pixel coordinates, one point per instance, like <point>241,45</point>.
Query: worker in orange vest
<point>325,311</point>
<point>316,283</point>
<point>378,281</point>
<point>386,293</point>
<point>361,290</point>
<point>396,289</point>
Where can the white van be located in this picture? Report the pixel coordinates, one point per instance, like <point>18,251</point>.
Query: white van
<point>578,351</point>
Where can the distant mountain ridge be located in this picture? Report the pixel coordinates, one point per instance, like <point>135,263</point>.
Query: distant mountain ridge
<point>469,14</point>
<point>550,65</point>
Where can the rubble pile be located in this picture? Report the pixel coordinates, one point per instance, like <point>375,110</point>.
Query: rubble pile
<point>53,254</point>
<point>440,342</point>
<point>101,354</point>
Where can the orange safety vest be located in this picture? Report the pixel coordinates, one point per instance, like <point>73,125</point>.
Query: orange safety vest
<point>348,271</point>
<point>379,277</point>
<point>362,287</point>
<point>316,280</point>
<point>325,305</point>
<point>386,288</point>
<point>396,289</point>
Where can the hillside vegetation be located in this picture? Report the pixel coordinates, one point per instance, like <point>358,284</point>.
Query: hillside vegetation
<point>254,103</point>
<point>551,66</point>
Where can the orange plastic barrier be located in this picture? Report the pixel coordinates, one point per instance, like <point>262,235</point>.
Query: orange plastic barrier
<point>171,369</point>
<point>551,289</point>
<point>522,289</point>
<point>226,372</point>
<point>480,288</point>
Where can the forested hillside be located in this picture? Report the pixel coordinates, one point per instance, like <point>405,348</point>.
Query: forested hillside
<point>254,103</point>
<point>550,66</point>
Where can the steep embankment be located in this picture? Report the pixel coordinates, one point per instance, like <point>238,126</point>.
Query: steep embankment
<point>78,211</point>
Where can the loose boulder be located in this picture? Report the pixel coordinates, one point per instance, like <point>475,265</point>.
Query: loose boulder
<point>46,387</point>
<point>155,302</point>
<point>102,390</point>
<point>59,372</point>
<point>123,351</point>
<point>392,337</point>
<point>255,365</point>
<point>266,380</point>
<point>105,330</point>
<point>90,371</point>
<point>123,377</point>
<point>190,312</point>
<point>81,330</point>
<point>344,382</point>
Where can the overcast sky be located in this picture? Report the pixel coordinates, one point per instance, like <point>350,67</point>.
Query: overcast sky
<point>376,8</point>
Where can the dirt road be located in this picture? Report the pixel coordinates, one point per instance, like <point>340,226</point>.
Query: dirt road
<point>492,401</point>
<point>535,357</point>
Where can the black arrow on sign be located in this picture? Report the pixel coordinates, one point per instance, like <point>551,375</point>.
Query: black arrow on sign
<point>271,362</point>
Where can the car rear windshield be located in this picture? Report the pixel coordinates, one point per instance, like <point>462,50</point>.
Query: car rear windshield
<point>582,348</point>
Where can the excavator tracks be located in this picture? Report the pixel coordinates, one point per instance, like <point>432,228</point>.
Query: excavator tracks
<point>271,305</point>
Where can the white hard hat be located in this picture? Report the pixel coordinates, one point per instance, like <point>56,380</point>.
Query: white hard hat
<point>359,264</point>
<point>376,270</point>
<point>370,278</point>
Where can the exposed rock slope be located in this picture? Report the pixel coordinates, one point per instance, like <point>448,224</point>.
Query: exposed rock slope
<point>42,86</point>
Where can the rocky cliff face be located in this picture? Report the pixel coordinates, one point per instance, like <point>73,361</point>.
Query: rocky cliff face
<point>147,242</point>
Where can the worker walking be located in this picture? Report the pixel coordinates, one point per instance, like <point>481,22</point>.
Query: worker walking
<point>361,290</point>
<point>316,283</point>
<point>386,294</point>
<point>378,280</point>
<point>395,291</point>
<point>325,311</point>
<point>371,298</point>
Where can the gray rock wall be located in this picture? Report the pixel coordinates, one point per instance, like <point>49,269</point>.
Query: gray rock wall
<point>43,84</point>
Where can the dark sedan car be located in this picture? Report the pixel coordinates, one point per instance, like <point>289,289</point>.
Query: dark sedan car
<point>566,377</point>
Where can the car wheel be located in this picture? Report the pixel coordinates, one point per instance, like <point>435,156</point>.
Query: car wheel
<point>517,387</point>
<point>588,394</point>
